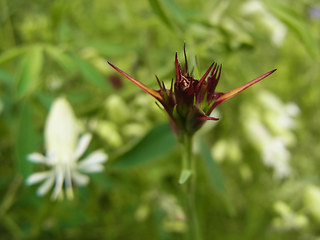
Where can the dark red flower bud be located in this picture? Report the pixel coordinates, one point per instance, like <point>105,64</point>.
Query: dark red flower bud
<point>189,102</point>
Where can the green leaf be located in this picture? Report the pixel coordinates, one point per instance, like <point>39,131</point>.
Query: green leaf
<point>45,99</point>
<point>90,73</point>
<point>212,169</point>
<point>64,60</point>
<point>12,53</point>
<point>175,12</point>
<point>5,77</point>
<point>31,66</point>
<point>109,48</point>
<point>157,8</point>
<point>157,143</point>
<point>296,23</point>
<point>26,139</point>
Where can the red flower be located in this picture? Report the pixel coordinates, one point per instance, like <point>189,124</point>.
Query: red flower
<point>188,101</point>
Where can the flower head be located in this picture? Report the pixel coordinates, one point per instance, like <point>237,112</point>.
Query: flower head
<point>63,150</point>
<point>189,102</point>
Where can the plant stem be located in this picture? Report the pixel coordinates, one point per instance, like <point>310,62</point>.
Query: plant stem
<point>189,165</point>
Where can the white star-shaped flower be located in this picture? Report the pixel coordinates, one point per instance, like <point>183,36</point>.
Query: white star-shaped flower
<point>63,151</point>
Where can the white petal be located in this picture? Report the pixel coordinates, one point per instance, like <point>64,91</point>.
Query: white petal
<point>61,129</point>
<point>96,157</point>
<point>82,145</point>
<point>37,158</point>
<point>68,184</point>
<point>59,182</point>
<point>80,179</point>
<point>92,168</point>
<point>52,158</point>
<point>38,177</point>
<point>44,188</point>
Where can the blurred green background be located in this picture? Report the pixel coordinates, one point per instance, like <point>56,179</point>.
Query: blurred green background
<point>258,166</point>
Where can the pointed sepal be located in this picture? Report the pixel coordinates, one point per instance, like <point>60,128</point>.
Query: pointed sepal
<point>224,97</point>
<point>145,88</point>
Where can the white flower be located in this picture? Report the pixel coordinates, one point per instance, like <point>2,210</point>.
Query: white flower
<point>311,201</point>
<point>269,123</point>
<point>287,219</point>
<point>277,156</point>
<point>63,150</point>
<point>277,29</point>
<point>273,148</point>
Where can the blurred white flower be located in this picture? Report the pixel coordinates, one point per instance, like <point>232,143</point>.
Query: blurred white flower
<point>277,156</point>
<point>311,201</point>
<point>287,219</point>
<point>273,149</point>
<point>268,123</point>
<point>63,150</point>
<point>174,219</point>
<point>277,29</point>
<point>226,149</point>
<point>117,109</point>
<point>107,130</point>
<point>278,112</point>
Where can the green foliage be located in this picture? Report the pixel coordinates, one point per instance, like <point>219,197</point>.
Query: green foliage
<point>295,22</point>
<point>30,68</point>
<point>26,139</point>
<point>61,48</point>
<point>90,73</point>
<point>155,4</point>
<point>213,170</point>
<point>156,144</point>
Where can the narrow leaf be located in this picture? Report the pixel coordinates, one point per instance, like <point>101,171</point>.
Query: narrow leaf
<point>90,74</point>
<point>31,66</point>
<point>11,54</point>
<point>157,8</point>
<point>212,169</point>
<point>45,99</point>
<point>64,60</point>
<point>27,139</point>
<point>157,143</point>
<point>175,12</point>
<point>5,77</point>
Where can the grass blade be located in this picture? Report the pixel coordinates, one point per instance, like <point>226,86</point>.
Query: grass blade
<point>212,169</point>
<point>157,8</point>
<point>90,73</point>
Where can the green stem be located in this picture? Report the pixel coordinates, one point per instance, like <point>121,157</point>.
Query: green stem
<point>187,159</point>
<point>188,165</point>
